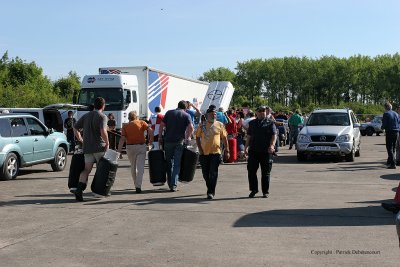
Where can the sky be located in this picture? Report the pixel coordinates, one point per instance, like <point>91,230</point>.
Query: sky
<point>188,37</point>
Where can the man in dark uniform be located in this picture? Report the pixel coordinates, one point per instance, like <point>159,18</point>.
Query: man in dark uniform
<point>260,146</point>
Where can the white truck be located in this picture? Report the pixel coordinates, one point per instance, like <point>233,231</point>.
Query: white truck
<point>142,89</point>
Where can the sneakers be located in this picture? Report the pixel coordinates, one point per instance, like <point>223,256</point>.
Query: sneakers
<point>265,195</point>
<point>138,190</point>
<point>72,190</point>
<point>252,194</point>
<point>173,189</point>
<point>391,167</point>
<point>210,196</point>
<point>290,147</point>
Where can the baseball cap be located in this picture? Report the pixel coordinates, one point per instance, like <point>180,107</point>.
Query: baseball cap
<point>262,108</point>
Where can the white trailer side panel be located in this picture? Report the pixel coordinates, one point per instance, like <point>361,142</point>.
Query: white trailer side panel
<point>159,88</point>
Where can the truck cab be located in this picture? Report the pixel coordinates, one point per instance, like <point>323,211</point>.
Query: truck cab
<point>120,93</point>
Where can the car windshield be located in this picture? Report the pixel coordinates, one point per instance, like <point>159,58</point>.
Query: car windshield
<point>328,118</point>
<point>112,96</point>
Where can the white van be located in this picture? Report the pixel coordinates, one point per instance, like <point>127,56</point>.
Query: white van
<point>51,115</point>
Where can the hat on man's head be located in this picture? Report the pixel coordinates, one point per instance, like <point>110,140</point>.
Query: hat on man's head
<point>262,108</point>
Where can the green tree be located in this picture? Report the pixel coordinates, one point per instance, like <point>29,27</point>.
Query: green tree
<point>68,87</point>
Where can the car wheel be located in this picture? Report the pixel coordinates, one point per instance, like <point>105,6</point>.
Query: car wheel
<point>60,160</point>
<point>350,157</point>
<point>363,133</point>
<point>357,154</point>
<point>370,131</point>
<point>301,156</point>
<point>10,167</point>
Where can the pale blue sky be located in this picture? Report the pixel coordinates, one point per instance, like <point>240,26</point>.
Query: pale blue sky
<point>191,37</point>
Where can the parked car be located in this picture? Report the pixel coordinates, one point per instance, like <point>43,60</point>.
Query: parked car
<point>374,126</point>
<point>330,132</point>
<point>26,141</point>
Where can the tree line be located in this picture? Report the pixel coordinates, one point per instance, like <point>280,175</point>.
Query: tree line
<point>23,84</point>
<point>359,82</point>
<point>362,83</point>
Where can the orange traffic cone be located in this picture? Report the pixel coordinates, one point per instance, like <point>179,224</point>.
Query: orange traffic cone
<point>397,196</point>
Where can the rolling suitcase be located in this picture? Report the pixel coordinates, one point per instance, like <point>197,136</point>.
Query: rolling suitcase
<point>104,177</point>
<point>188,165</point>
<point>157,167</point>
<point>75,169</point>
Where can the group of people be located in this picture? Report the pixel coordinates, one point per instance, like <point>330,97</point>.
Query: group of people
<point>172,132</point>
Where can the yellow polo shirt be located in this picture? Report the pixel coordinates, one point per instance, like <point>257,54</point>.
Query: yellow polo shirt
<point>210,137</point>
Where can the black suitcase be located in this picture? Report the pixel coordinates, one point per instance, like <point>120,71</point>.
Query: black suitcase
<point>104,177</point>
<point>75,169</point>
<point>157,167</point>
<point>188,165</point>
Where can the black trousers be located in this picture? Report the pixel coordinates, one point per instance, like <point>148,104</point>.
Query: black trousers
<point>391,139</point>
<point>71,140</point>
<point>209,167</point>
<point>256,159</point>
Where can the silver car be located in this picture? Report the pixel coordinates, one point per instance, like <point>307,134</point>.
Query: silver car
<point>330,132</point>
<point>374,126</point>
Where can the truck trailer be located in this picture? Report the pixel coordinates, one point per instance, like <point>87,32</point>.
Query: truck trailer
<point>142,88</point>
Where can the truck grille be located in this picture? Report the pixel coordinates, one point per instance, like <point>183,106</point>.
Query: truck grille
<point>323,138</point>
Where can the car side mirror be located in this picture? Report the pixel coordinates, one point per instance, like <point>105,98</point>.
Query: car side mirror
<point>356,125</point>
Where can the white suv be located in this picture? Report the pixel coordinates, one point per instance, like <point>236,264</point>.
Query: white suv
<point>330,132</point>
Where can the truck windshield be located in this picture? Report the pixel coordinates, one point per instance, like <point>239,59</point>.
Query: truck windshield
<point>112,96</point>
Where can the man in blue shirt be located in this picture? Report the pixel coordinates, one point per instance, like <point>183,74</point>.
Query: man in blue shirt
<point>178,128</point>
<point>391,125</point>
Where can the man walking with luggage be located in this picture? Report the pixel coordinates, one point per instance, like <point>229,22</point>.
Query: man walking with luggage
<point>260,146</point>
<point>178,128</point>
<point>95,141</point>
<point>209,136</point>
<point>391,125</point>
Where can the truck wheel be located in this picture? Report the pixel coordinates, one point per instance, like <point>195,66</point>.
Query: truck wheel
<point>370,131</point>
<point>60,160</point>
<point>10,167</point>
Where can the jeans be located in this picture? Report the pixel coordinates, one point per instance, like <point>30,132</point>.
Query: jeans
<point>256,159</point>
<point>209,167</point>
<point>173,155</point>
<point>391,139</point>
<point>294,131</point>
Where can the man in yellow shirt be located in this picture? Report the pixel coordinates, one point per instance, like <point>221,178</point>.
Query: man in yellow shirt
<point>208,138</point>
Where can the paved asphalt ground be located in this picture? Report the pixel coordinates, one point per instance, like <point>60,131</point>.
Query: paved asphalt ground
<point>319,213</point>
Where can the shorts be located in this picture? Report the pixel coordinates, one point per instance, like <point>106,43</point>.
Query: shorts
<point>93,157</point>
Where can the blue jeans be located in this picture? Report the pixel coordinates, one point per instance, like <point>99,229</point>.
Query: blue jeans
<point>173,155</point>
